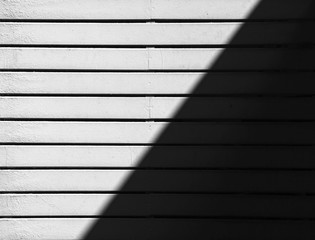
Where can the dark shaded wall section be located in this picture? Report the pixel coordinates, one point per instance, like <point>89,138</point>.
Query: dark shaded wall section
<point>246,174</point>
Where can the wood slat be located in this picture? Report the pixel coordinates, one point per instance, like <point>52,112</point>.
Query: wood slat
<point>152,9</point>
<point>156,108</point>
<point>60,58</point>
<point>229,181</point>
<point>124,228</point>
<point>156,59</point>
<point>153,34</point>
<point>148,132</point>
<point>159,156</point>
<point>73,9</point>
<point>156,83</point>
<point>197,205</point>
<point>227,9</point>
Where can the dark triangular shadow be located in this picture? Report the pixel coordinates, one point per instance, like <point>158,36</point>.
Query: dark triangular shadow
<point>159,204</point>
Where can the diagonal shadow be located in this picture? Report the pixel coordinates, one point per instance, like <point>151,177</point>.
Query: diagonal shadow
<point>171,211</point>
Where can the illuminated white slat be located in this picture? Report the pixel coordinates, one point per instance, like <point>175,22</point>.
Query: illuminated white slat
<point>60,58</point>
<point>75,9</point>
<point>55,204</point>
<point>146,9</point>
<point>45,229</point>
<point>94,205</point>
<point>116,33</point>
<point>229,9</point>
<point>77,228</point>
<point>154,108</point>
<point>155,59</point>
<point>101,83</point>
<point>84,156</point>
<point>148,132</point>
<point>148,33</point>
<point>156,181</point>
<point>156,83</point>
<point>163,157</point>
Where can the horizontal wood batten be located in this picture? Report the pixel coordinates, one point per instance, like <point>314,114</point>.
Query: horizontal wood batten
<point>228,181</point>
<point>198,205</point>
<point>153,33</point>
<point>156,59</point>
<point>259,83</point>
<point>75,229</point>
<point>148,132</point>
<point>156,108</point>
<point>161,156</point>
<point>154,9</point>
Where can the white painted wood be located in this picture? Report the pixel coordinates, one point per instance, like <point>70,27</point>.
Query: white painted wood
<point>63,180</point>
<point>144,205</point>
<point>86,107</point>
<point>75,9</point>
<point>124,228</point>
<point>150,228</point>
<point>155,83</point>
<point>60,58</point>
<point>148,132</point>
<point>229,9</point>
<point>150,9</point>
<point>231,59</point>
<point>154,108</point>
<point>146,33</point>
<point>117,33</point>
<point>149,33</point>
<point>45,229</point>
<point>107,132</point>
<point>160,156</point>
<point>54,204</point>
<point>84,156</point>
<point>108,107</point>
<point>153,59</point>
<point>156,181</point>
<point>100,83</point>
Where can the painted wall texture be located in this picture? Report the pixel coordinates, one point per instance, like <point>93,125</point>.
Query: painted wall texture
<point>157,119</point>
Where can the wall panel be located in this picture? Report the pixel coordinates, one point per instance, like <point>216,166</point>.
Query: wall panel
<point>157,119</point>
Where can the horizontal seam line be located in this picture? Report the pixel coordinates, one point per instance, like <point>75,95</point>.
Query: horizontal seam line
<point>186,169</point>
<point>158,120</point>
<point>240,193</point>
<point>172,72</point>
<point>177,194</point>
<point>160,20</point>
<point>210,148</point>
<point>255,121</point>
<point>234,218</point>
<point>161,70</point>
<point>145,144</point>
<point>160,95</point>
<point>298,45</point>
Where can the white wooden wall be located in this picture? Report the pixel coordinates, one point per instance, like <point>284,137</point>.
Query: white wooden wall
<point>88,87</point>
